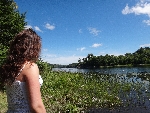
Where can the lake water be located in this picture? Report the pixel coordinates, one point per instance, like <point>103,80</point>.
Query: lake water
<point>133,74</point>
<point>125,71</point>
<point>120,70</point>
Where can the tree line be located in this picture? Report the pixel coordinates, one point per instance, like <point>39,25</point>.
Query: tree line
<point>139,57</point>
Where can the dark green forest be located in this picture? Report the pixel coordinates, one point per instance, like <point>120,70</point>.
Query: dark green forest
<point>11,22</point>
<point>138,58</point>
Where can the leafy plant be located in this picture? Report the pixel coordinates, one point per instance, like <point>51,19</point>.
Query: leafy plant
<point>74,92</point>
<point>11,22</point>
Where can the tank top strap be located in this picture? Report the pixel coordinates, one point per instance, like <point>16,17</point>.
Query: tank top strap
<point>22,69</point>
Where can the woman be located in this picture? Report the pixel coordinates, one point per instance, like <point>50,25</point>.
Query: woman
<point>20,74</point>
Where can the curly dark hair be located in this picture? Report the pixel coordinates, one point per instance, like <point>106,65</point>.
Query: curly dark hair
<point>25,46</point>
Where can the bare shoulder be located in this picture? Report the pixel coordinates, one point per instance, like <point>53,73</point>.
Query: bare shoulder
<point>31,70</point>
<point>31,67</point>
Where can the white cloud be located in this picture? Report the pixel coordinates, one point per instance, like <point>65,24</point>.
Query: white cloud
<point>147,22</point>
<point>94,31</point>
<point>64,60</point>
<point>110,53</point>
<point>143,1</point>
<point>81,49</point>
<point>138,9</point>
<point>28,26</point>
<point>145,45</point>
<point>37,28</point>
<point>126,10</point>
<point>50,27</point>
<point>141,8</point>
<point>96,45</point>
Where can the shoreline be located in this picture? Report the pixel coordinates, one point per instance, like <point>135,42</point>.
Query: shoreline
<point>118,66</point>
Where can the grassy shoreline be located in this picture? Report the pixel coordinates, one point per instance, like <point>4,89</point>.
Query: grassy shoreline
<point>76,92</point>
<point>120,66</point>
<point>138,65</point>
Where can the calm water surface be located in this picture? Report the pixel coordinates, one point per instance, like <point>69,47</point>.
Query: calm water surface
<point>123,70</point>
<point>132,74</point>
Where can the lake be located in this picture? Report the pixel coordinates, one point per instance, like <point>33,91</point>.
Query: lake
<point>140,75</point>
<point>119,70</point>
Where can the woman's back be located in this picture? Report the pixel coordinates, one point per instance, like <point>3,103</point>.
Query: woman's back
<point>17,95</point>
<point>17,98</point>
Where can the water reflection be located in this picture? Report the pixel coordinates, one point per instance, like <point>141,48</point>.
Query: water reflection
<point>123,70</point>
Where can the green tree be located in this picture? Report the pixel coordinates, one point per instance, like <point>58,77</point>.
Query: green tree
<point>129,59</point>
<point>11,22</point>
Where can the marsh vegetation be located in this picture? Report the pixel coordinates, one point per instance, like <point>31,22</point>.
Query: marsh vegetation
<point>67,92</point>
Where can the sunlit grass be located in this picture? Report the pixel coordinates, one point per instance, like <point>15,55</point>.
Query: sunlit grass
<point>3,102</point>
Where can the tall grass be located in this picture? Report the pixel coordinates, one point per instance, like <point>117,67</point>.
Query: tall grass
<point>3,102</point>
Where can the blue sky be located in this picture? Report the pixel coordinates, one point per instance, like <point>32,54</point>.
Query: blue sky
<point>72,29</point>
